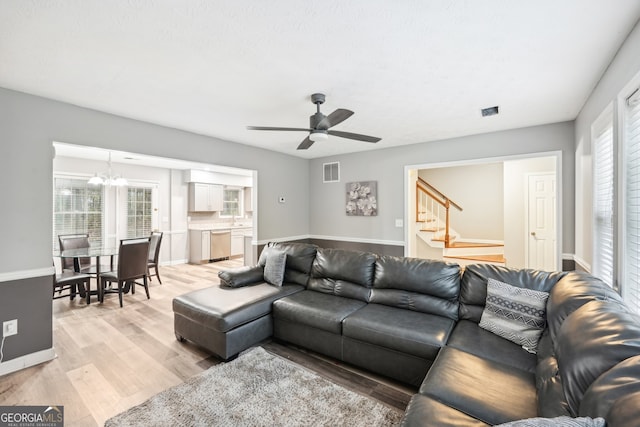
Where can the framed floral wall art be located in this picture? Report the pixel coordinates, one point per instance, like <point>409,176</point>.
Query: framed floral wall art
<point>362,198</point>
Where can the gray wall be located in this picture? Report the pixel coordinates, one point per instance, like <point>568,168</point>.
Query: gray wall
<point>327,216</point>
<point>624,67</point>
<point>29,124</point>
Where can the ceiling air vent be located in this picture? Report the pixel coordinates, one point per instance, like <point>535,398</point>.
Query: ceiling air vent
<point>491,111</point>
<point>331,172</point>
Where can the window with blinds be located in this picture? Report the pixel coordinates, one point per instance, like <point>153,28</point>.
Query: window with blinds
<point>77,208</point>
<point>631,233</point>
<point>230,203</point>
<point>139,211</point>
<point>604,200</point>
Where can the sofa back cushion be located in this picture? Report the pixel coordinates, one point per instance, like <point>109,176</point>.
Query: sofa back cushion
<point>300,258</point>
<point>422,285</point>
<point>343,272</point>
<point>572,292</point>
<point>592,340</point>
<point>473,286</point>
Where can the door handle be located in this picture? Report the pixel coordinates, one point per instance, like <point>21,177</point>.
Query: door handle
<point>533,233</point>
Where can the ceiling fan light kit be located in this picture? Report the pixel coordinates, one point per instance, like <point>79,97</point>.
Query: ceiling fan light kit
<point>318,135</point>
<point>319,125</point>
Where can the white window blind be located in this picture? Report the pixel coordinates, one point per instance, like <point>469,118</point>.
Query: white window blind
<point>631,156</point>
<point>139,211</point>
<point>77,208</point>
<point>603,198</point>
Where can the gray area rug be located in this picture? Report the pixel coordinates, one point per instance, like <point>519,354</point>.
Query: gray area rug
<point>258,389</point>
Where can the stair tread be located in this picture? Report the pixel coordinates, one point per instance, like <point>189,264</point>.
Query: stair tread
<point>487,258</point>
<point>459,244</point>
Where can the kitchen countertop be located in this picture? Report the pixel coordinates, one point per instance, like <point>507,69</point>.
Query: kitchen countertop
<point>204,227</point>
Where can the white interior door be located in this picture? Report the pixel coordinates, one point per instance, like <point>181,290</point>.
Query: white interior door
<point>541,223</point>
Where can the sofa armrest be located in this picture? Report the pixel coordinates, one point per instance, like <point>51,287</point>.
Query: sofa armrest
<point>242,276</point>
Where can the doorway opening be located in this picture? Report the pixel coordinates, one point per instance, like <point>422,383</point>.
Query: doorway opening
<point>156,197</point>
<point>503,211</point>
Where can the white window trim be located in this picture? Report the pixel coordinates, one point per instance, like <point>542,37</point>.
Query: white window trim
<point>240,200</point>
<point>600,124</point>
<point>626,92</point>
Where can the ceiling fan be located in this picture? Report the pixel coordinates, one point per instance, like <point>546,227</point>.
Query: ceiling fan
<point>319,125</point>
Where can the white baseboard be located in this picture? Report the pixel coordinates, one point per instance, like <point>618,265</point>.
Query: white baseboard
<point>334,238</point>
<point>582,263</point>
<point>284,239</point>
<point>27,361</point>
<point>359,240</point>
<point>174,262</point>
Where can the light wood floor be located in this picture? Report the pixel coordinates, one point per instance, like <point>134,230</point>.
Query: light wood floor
<point>112,358</point>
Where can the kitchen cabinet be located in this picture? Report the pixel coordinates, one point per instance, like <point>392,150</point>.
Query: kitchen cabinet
<point>205,197</point>
<point>248,199</point>
<point>249,251</point>
<point>237,241</point>
<point>199,246</point>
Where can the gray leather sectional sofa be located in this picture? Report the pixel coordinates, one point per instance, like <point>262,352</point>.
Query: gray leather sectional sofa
<point>417,321</point>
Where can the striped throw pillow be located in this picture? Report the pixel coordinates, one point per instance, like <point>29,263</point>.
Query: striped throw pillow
<point>516,314</point>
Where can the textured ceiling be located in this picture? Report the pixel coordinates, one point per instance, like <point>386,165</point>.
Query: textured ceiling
<point>413,71</point>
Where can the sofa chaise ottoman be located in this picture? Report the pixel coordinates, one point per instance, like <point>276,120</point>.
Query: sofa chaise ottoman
<point>236,314</point>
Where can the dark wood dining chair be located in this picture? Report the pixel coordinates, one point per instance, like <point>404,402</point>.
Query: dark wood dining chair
<point>75,241</point>
<point>69,284</point>
<point>133,255</point>
<point>154,254</point>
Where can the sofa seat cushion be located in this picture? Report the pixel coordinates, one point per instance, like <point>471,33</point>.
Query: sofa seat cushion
<point>470,337</point>
<point>489,391</point>
<point>410,332</point>
<point>222,308</point>
<point>425,411</point>
<point>319,310</point>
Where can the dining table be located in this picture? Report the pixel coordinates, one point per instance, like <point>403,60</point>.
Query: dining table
<point>91,252</point>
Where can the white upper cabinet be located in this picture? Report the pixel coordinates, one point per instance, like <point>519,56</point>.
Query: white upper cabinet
<point>248,199</point>
<point>205,197</point>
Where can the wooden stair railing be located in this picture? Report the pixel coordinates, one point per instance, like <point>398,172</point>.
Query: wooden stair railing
<point>435,195</point>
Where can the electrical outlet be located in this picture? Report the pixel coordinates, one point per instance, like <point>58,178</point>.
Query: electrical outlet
<point>10,327</point>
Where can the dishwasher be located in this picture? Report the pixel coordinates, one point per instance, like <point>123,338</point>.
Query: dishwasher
<point>220,245</point>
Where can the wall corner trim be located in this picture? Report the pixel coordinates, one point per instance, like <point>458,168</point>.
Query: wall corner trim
<point>26,274</point>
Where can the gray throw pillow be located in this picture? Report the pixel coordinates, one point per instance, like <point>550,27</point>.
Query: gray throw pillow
<point>557,421</point>
<point>516,314</point>
<point>274,267</point>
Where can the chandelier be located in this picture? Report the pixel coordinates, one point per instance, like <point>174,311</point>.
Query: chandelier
<point>108,179</point>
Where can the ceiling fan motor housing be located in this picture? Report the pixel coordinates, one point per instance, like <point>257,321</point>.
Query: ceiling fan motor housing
<point>315,119</point>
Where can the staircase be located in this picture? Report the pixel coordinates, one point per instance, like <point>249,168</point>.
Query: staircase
<point>434,228</point>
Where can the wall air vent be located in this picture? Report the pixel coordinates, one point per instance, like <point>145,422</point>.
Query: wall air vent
<point>491,111</point>
<point>331,172</point>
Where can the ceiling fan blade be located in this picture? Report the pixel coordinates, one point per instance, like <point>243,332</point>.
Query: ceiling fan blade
<point>356,136</point>
<point>305,144</point>
<point>277,128</point>
<point>338,116</point>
